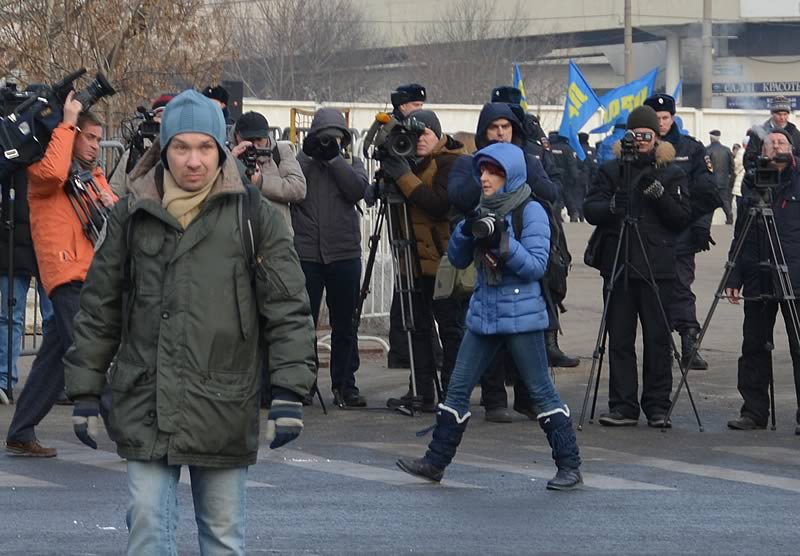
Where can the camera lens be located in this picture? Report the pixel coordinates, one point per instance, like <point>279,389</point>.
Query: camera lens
<point>484,227</point>
<point>402,145</point>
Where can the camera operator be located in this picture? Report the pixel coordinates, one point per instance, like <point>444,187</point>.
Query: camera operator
<point>747,277</point>
<point>328,241</point>
<point>691,157</point>
<point>64,255</point>
<point>119,177</point>
<point>779,109</point>
<point>498,123</point>
<point>277,174</point>
<point>407,99</point>
<point>425,188</point>
<point>660,203</point>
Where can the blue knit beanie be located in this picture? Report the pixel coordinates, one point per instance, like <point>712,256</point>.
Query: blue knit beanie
<point>191,112</point>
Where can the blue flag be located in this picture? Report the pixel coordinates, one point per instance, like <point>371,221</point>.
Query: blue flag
<point>676,94</point>
<point>619,102</point>
<point>580,106</point>
<point>521,86</point>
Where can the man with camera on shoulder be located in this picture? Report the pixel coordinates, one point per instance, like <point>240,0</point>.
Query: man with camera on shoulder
<point>268,164</point>
<point>755,280</point>
<point>422,180</point>
<point>64,255</point>
<point>657,198</point>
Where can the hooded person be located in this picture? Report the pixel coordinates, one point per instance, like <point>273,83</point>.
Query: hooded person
<point>173,295</point>
<point>657,197</point>
<point>327,227</point>
<point>507,308</point>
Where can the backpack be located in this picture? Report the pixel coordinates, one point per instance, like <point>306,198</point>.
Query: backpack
<point>554,282</point>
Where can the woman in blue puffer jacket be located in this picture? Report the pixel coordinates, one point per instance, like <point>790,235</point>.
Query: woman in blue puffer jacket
<point>507,307</point>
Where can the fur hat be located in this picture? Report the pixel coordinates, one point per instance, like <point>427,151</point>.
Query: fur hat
<point>660,103</point>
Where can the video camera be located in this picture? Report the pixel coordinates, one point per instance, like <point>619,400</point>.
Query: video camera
<point>388,136</point>
<point>149,128</point>
<point>29,117</point>
<point>765,175</point>
<point>251,156</point>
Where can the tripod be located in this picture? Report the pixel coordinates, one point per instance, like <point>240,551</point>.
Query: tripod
<point>761,212</point>
<point>10,299</point>
<point>622,266</point>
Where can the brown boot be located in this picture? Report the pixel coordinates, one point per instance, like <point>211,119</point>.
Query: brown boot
<point>30,449</point>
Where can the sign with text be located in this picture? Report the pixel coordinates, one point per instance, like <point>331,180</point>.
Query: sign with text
<point>756,103</point>
<point>768,87</point>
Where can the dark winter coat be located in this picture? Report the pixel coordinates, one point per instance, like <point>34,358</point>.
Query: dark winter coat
<point>660,220</point>
<point>722,161</point>
<point>756,142</point>
<point>690,156</point>
<point>785,203</point>
<point>24,255</point>
<point>327,225</point>
<point>464,190</point>
<point>537,145</point>
<point>184,324</point>
<point>588,166</point>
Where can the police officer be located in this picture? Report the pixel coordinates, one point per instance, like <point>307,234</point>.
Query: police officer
<point>779,109</point>
<point>691,157</point>
<point>407,99</point>
<point>588,170</point>
<point>724,171</point>
<point>658,201</point>
<point>567,162</point>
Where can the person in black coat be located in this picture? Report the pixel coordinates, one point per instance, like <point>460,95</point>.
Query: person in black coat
<point>691,157</point>
<point>660,203</point>
<point>588,170</point>
<point>567,162</point>
<point>724,171</point>
<point>25,268</point>
<point>748,278</point>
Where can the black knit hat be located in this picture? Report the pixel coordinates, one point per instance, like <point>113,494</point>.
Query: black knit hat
<point>643,116</point>
<point>413,92</point>
<point>219,93</point>
<point>660,103</point>
<point>509,95</point>
<point>430,119</point>
<point>252,125</point>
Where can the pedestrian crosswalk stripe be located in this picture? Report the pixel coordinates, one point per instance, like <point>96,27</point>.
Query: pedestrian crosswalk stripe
<point>10,480</point>
<point>537,471</point>
<point>772,454</point>
<point>312,462</point>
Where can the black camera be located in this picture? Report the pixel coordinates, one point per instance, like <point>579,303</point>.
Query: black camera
<point>630,148</point>
<point>251,156</point>
<point>484,227</point>
<point>98,88</point>
<point>389,136</point>
<point>766,175</point>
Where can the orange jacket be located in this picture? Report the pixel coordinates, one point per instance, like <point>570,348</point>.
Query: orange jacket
<point>63,252</point>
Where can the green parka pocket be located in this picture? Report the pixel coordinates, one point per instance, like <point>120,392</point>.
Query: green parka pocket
<point>132,420</point>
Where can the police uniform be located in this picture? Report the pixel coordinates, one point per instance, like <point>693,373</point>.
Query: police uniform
<point>567,162</point>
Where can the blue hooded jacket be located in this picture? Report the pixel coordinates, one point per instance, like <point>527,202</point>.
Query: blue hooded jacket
<point>516,304</point>
<point>464,190</point>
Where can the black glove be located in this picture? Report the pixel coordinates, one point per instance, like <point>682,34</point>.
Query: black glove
<point>395,167</point>
<point>701,238</point>
<point>493,240</point>
<point>285,419</point>
<point>469,220</point>
<point>371,194</point>
<point>654,190</point>
<point>86,421</point>
<point>619,202</point>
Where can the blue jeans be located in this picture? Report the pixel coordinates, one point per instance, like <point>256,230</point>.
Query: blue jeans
<point>219,508</point>
<point>476,354</point>
<point>22,284</point>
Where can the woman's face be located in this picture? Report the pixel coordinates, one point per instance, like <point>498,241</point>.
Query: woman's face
<point>492,179</point>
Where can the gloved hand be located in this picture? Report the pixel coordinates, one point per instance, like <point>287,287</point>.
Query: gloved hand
<point>493,240</point>
<point>314,148</point>
<point>86,421</point>
<point>619,202</point>
<point>701,238</point>
<point>395,167</point>
<point>285,420</point>
<point>654,190</point>
<point>371,194</point>
<point>469,220</point>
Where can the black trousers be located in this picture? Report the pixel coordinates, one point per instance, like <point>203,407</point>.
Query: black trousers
<point>449,315</point>
<point>727,197</point>
<point>755,363</point>
<point>46,380</point>
<point>682,310</point>
<point>627,308</point>
<point>341,280</point>
<point>398,342</point>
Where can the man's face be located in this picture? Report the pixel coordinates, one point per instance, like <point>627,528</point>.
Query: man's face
<point>87,143</point>
<point>409,107</point>
<point>776,143</point>
<point>500,130</point>
<point>644,144</point>
<point>193,158</point>
<point>427,142</point>
<point>780,119</point>
<point>665,120</point>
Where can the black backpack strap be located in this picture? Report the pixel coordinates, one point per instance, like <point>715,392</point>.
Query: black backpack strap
<point>249,212</point>
<point>517,218</point>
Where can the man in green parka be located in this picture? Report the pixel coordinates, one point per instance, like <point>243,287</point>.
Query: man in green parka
<point>176,295</point>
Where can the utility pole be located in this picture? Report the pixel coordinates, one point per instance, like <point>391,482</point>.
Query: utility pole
<point>707,59</point>
<point>628,43</point>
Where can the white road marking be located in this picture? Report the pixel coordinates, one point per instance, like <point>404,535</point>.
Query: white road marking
<point>10,480</point>
<point>772,454</point>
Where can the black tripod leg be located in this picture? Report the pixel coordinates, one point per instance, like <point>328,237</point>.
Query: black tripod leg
<point>597,382</point>
<point>772,397</point>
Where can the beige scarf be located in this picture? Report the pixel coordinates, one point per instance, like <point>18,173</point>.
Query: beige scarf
<point>185,205</point>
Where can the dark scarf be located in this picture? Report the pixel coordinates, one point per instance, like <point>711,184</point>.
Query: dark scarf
<point>500,205</point>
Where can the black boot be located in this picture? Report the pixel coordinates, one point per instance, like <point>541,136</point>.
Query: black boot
<point>688,341</point>
<point>557,425</point>
<point>557,357</point>
<point>447,436</point>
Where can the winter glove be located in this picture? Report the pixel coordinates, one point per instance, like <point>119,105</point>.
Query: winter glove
<point>394,167</point>
<point>653,191</point>
<point>86,421</point>
<point>701,238</point>
<point>492,240</point>
<point>619,202</point>
<point>469,220</point>
<point>371,194</point>
<point>285,420</point>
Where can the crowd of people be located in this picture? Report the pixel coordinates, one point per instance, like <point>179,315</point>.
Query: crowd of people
<point>199,301</point>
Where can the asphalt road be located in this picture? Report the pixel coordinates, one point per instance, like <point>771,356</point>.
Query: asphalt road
<point>337,491</point>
